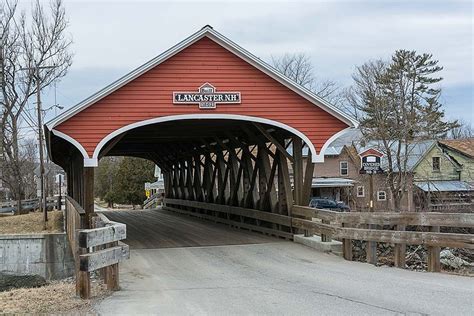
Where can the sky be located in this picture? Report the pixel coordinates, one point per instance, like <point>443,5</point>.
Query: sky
<point>112,38</point>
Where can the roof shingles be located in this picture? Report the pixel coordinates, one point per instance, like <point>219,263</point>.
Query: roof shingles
<point>464,146</point>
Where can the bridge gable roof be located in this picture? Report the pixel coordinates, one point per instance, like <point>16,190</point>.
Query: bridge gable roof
<point>223,41</point>
<point>146,96</point>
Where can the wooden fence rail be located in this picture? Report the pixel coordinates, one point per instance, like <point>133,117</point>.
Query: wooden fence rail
<point>354,226</point>
<point>104,241</point>
<point>152,200</point>
<point>193,208</point>
<point>388,218</point>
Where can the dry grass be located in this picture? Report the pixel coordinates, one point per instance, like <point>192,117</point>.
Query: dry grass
<point>31,223</point>
<point>55,298</point>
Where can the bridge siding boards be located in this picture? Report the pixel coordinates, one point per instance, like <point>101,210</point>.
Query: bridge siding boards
<point>150,96</point>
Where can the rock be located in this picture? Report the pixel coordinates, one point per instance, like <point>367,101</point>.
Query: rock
<point>10,281</point>
<point>447,258</point>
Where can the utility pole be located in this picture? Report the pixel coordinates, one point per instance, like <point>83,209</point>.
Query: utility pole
<point>40,142</point>
<point>42,197</point>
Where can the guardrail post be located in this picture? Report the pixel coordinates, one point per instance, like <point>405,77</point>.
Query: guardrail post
<point>434,264</point>
<point>371,249</point>
<point>347,247</point>
<point>324,237</point>
<point>83,285</point>
<point>400,250</point>
<point>88,195</point>
<point>111,274</point>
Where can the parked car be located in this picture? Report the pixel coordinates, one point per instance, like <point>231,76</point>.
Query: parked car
<point>343,206</point>
<point>328,204</point>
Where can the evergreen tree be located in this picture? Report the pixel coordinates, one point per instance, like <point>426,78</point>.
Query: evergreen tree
<point>398,104</point>
<point>122,180</point>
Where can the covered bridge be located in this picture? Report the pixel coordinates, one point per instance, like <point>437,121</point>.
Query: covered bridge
<point>226,129</point>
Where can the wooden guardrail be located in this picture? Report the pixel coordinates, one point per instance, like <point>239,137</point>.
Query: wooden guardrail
<point>198,209</point>
<point>98,248</point>
<point>75,220</point>
<point>353,226</point>
<point>148,203</point>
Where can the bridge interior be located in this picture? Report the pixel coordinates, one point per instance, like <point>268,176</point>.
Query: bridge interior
<point>154,229</point>
<point>230,168</point>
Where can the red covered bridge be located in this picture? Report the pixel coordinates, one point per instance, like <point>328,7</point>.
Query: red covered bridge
<point>215,118</point>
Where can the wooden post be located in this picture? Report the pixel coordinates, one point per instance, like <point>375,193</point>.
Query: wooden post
<point>83,285</point>
<point>297,171</point>
<point>371,249</point>
<point>308,179</point>
<point>347,247</point>
<point>434,264</point>
<point>324,237</point>
<point>88,195</point>
<point>298,189</point>
<point>111,277</point>
<point>400,251</point>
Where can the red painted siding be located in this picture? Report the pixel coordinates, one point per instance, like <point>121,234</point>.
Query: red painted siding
<point>150,95</point>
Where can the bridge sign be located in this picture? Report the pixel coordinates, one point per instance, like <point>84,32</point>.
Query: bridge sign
<point>206,97</point>
<point>371,161</point>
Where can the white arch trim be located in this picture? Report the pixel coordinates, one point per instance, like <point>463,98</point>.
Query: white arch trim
<point>106,139</point>
<point>72,141</point>
<point>320,157</point>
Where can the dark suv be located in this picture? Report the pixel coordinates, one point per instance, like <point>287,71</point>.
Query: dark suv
<point>328,204</point>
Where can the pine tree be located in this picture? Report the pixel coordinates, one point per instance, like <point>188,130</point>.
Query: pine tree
<point>399,104</point>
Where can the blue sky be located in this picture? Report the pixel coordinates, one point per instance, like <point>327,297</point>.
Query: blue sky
<point>114,37</point>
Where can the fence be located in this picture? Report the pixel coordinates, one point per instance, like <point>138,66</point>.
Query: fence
<point>387,227</point>
<point>98,248</point>
<point>27,205</point>
<point>152,201</point>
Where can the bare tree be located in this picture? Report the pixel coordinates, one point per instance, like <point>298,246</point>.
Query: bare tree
<point>397,105</point>
<point>27,43</point>
<point>464,130</point>
<point>298,67</point>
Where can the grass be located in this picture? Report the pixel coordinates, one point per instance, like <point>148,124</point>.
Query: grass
<point>31,223</point>
<point>56,298</point>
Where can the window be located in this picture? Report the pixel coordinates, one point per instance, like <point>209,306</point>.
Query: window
<point>436,164</point>
<point>381,196</point>
<point>360,191</point>
<point>344,168</point>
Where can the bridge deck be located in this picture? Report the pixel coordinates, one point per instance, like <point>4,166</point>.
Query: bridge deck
<point>151,229</point>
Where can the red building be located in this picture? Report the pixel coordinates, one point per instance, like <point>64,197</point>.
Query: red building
<point>203,93</point>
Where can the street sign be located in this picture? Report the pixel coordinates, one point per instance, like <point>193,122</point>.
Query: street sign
<point>371,161</point>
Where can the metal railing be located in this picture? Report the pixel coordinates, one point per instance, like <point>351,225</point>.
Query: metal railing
<point>27,205</point>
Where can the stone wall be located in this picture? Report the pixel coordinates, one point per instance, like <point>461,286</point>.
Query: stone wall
<point>48,255</point>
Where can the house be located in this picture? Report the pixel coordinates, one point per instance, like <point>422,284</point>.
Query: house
<point>435,178</point>
<point>445,177</point>
<point>461,151</point>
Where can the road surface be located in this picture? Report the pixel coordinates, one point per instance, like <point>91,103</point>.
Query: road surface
<point>254,274</point>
